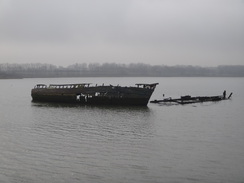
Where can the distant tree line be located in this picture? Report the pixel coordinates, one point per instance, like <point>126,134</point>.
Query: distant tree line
<point>38,70</point>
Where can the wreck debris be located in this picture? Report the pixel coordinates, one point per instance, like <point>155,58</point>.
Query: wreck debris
<point>187,99</point>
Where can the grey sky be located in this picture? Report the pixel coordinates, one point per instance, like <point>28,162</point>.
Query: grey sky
<point>170,32</point>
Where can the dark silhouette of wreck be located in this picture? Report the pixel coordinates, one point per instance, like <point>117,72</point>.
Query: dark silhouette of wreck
<point>86,94</point>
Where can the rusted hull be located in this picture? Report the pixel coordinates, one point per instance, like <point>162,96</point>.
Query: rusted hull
<point>117,101</point>
<point>98,95</point>
<point>92,101</point>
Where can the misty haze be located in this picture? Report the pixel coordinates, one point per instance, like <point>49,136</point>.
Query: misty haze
<point>121,91</point>
<point>168,32</point>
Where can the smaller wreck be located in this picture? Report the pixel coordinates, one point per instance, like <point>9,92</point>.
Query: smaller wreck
<point>85,93</point>
<point>187,99</point>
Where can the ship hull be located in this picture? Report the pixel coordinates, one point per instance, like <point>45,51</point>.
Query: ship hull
<point>97,95</point>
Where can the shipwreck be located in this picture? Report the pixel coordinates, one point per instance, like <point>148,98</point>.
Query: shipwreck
<point>85,93</point>
<point>187,99</point>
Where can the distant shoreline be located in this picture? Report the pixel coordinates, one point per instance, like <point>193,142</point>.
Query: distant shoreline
<point>2,78</point>
<point>19,71</point>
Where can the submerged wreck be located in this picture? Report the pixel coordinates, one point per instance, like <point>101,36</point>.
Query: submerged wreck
<point>86,94</point>
<point>187,99</point>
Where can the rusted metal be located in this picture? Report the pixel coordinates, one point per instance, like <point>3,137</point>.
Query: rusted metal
<point>84,93</point>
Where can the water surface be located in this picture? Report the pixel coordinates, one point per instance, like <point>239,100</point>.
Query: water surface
<point>43,142</point>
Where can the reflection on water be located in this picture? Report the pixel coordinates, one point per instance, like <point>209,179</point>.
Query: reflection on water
<point>124,120</point>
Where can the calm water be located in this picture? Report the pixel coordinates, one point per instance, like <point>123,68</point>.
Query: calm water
<point>160,143</point>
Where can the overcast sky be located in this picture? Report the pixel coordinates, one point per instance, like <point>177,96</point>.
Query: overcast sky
<point>169,32</point>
